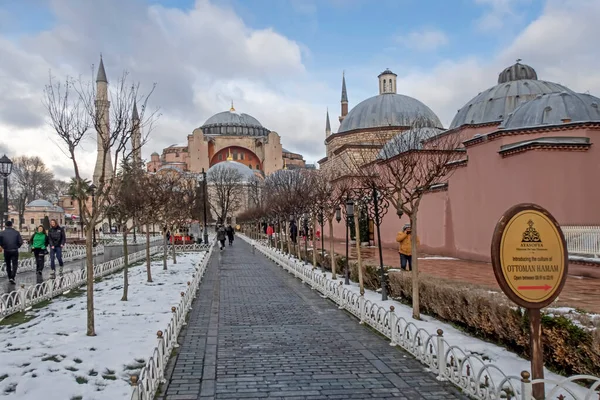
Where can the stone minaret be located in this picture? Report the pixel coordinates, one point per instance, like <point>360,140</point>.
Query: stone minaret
<point>327,126</point>
<point>344,99</point>
<point>103,125</point>
<point>387,82</point>
<point>136,136</point>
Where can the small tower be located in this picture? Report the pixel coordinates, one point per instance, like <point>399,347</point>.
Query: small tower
<point>344,99</point>
<point>327,125</point>
<point>387,82</point>
<point>102,126</point>
<point>136,136</point>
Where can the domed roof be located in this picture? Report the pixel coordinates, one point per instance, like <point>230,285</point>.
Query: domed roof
<point>389,109</point>
<point>244,170</point>
<point>232,123</point>
<point>555,109</point>
<point>45,204</point>
<point>408,140</point>
<point>517,72</point>
<point>515,88</point>
<point>387,72</point>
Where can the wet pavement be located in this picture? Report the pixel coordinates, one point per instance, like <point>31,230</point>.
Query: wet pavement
<point>30,278</point>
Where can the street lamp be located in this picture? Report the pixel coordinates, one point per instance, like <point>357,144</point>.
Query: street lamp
<point>204,196</point>
<point>92,192</point>
<point>338,214</point>
<point>321,218</point>
<point>6,166</point>
<point>349,216</point>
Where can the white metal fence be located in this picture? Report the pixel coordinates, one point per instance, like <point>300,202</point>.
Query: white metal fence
<point>69,253</point>
<point>582,240</point>
<point>469,372</point>
<point>145,386</point>
<point>25,297</point>
<point>117,240</point>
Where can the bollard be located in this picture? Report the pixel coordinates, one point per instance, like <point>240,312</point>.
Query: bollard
<point>441,357</point>
<point>393,319</point>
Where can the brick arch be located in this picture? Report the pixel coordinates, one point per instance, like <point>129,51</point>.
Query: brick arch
<point>249,159</point>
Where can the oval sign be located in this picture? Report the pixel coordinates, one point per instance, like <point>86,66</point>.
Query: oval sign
<point>529,256</point>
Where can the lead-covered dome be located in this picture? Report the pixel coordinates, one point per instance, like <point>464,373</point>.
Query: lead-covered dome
<point>232,123</point>
<point>46,205</point>
<point>517,85</point>
<point>246,173</point>
<point>389,109</point>
<point>555,109</point>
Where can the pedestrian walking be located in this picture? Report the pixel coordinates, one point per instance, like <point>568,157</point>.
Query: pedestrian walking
<point>57,240</point>
<point>39,246</point>
<point>229,231</point>
<point>293,231</point>
<point>270,232</point>
<point>404,239</point>
<point>221,236</point>
<point>11,241</point>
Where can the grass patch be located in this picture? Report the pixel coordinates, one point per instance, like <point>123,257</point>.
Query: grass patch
<point>76,398</point>
<point>3,377</point>
<point>139,364</point>
<point>52,358</point>
<point>72,369</point>
<point>81,380</point>
<point>17,319</point>
<point>78,361</point>
<point>109,375</point>
<point>11,388</point>
<point>74,293</point>
<point>91,372</point>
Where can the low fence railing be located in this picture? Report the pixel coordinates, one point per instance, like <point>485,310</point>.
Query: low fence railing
<point>469,372</point>
<point>152,375</point>
<point>582,240</point>
<point>140,239</point>
<point>69,253</point>
<point>25,297</point>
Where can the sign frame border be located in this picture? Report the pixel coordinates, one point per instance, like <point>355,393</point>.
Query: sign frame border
<point>496,257</point>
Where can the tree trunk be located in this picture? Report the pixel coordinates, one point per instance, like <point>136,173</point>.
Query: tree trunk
<point>415,266</point>
<point>289,237</point>
<point>332,245</point>
<point>165,249</point>
<point>281,233</point>
<point>174,255</point>
<point>89,266</point>
<point>314,240</point>
<point>148,268</point>
<point>125,266</point>
<point>358,256</point>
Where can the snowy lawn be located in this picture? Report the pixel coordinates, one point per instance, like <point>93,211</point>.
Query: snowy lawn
<point>50,357</point>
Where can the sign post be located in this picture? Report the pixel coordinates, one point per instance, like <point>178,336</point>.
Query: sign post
<point>530,263</point>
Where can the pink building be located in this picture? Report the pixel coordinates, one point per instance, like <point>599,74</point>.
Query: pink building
<point>526,140</point>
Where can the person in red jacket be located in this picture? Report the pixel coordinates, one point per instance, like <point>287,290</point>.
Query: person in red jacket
<point>270,234</point>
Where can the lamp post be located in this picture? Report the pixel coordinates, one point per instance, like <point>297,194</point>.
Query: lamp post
<point>6,166</point>
<point>349,216</point>
<point>91,191</point>
<point>204,195</point>
<point>321,220</point>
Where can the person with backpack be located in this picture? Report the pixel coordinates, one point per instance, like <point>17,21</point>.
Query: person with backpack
<point>11,241</point>
<point>56,240</point>
<point>39,243</point>
<point>230,232</point>
<point>221,237</point>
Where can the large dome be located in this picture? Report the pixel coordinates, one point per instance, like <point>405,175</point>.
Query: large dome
<point>555,109</point>
<point>517,85</point>
<point>389,109</point>
<point>46,205</point>
<point>232,123</point>
<point>244,170</point>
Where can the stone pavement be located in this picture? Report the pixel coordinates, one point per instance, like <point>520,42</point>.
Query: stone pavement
<point>257,332</point>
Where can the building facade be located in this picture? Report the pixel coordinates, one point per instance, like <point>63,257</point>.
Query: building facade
<point>525,140</point>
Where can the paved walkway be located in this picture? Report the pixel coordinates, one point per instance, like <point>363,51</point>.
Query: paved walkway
<point>256,332</point>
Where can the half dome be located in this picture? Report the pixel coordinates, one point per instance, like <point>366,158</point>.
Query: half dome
<point>389,109</point>
<point>555,109</point>
<point>232,123</point>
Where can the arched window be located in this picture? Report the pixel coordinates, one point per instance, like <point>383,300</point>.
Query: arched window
<point>384,89</point>
<point>220,157</point>
<point>241,156</point>
<point>257,166</point>
<point>391,86</point>
<point>250,166</point>
<point>32,221</point>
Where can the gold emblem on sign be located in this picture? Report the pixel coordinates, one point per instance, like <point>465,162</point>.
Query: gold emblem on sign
<point>531,234</point>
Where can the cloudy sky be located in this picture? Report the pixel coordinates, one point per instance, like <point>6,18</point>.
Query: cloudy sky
<point>279,60</point>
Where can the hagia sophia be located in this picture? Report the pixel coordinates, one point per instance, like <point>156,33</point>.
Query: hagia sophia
<point>525,140</point>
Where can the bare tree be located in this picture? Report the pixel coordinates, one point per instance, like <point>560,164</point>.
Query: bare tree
<point>148,215</point>
<point>226,187</point>
<point>163,189</point>
<point>410,165</point>
<point>75,108</point>
<point>30,180</point>
<point>182,204</point>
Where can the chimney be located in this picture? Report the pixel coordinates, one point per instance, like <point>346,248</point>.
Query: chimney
<point>566,120</point>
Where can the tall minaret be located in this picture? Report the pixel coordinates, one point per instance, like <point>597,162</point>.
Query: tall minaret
<point>327,125</point>
<point>344,99</point>
<point>136,136</point>
<point>103,125</point>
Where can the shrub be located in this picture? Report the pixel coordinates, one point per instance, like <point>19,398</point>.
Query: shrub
<point>568,348</point>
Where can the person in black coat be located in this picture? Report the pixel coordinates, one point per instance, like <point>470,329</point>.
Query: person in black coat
<point>56,240</point>
<point>230,233</point>
<point>11,241</point>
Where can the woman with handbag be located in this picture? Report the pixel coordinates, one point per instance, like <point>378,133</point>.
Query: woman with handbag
<point>39,244</point>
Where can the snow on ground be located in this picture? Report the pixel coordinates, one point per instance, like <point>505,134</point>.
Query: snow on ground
<point>510,363</point>
<point>50,357</point>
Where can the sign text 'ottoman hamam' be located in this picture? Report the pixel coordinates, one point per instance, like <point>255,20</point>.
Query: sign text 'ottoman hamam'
<point>530,262</point>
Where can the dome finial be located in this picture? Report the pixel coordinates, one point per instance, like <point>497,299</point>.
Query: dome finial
<point>232,109</point>
<point>519,60</point>
<point>229,157</point>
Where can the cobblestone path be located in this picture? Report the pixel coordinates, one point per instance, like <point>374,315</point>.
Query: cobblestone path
<point>256,332</point>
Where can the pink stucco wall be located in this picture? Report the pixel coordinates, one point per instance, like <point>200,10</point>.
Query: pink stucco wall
<point>459,222</point>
